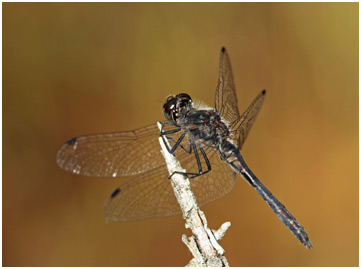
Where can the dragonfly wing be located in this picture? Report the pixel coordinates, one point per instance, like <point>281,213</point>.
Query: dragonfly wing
<point>215,184</point>
<point>112,154</point>
<point>148,195</point>
<point>241,129</point>
<point>210,186</point>
<point>226,98</point>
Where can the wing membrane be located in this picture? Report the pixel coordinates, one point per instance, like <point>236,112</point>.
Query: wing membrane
<point>226,98</point>
<point>226,102</point>
<point>244,125</point>
<point>112,154</point>
<point>150,195</point>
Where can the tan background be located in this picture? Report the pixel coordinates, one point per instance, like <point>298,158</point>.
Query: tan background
<point>73,69</point>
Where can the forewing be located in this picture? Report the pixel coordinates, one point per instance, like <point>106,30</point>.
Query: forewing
<point>226,98</point>
<point>241,129</point>
<point>112,154</point>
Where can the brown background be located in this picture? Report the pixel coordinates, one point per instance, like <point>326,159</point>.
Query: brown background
<point>72,69</point>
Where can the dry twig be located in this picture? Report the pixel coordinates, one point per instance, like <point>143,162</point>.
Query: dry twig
<point>203,244</point>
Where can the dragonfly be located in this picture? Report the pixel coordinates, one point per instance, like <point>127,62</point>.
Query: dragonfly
<point>206,141</point>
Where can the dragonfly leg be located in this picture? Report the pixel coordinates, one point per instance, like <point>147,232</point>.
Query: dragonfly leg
<point>199,164</point>
<point>189,150</point>
<point>176,143</point>
<point>205,159</point>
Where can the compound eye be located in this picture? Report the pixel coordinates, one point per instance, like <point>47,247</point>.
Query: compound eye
<point>184,100</point>
<point>169,109</point>
<point>184,96</point>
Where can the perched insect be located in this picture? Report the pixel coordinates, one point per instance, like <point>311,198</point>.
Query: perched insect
<point>206,141</point>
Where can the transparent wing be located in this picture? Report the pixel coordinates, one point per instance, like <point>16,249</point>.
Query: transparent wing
<point>226,102</point>
<point>215,184</point>
<point>112,154</point>
<point>241,129</point>
<point>150,195</point>
<point>226,98</point>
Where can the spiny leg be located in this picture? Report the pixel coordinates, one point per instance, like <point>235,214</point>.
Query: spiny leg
<point>205,158</point>
<point>164,133</point>
<point>189,150</point>
<point>176,143</point>
<point>199,164</point>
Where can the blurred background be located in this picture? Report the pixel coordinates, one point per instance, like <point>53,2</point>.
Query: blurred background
<point>71,69</point>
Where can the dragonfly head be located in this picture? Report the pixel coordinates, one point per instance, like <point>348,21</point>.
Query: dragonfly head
<point>176,107</point>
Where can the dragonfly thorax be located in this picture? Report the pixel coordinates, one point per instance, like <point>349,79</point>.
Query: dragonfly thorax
<point>206,126</point>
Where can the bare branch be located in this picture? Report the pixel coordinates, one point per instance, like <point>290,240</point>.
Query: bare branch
<point>204,243</point>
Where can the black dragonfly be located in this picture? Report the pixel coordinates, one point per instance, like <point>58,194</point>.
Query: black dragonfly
<point>207,141</point>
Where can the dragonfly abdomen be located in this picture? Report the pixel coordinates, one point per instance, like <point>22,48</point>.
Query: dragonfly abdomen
<point>232,156</point>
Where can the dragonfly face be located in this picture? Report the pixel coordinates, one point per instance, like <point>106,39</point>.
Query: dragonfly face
<point>176,107</point>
